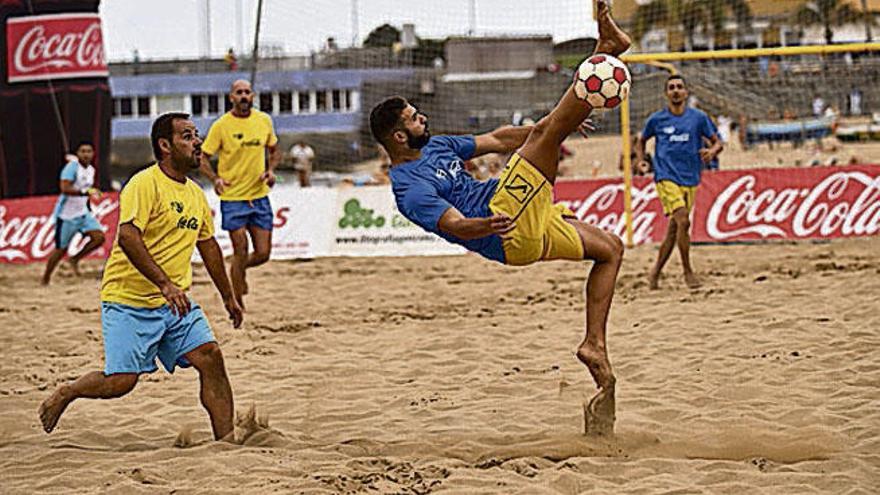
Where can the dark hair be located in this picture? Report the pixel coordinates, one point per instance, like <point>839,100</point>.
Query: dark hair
<point>83,143</point>
<point>163,128</point>
<point>385,118</point>
<point>676,76</point>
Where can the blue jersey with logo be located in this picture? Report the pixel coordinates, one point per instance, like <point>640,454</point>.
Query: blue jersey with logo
<point>425,188</point>
<point>679,140</point>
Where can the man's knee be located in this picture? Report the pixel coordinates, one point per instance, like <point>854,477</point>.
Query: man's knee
<point>617,248</point>
<point>545,129</point>
<point>681,217</point>
<point>97,237</point>
<point>259,257</point>
<point>119,384</point>
<point>206,357</point>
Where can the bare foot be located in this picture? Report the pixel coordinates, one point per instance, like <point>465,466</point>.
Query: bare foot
<point>597,363</point>
<point>239,298</point>
<point>51,409</point>
<point>653,280</point>
<point>600,413</point>
<point>612,39</point>
<point>692,281</point>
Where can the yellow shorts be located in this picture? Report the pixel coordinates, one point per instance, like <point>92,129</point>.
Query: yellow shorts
<point>541,232</point>
<point>672,196</point>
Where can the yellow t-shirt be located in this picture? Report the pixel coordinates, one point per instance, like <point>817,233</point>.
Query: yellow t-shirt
<point>171,217</point>
<point>242,144</point>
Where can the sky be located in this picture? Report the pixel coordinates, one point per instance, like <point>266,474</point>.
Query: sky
<point>176,28</point>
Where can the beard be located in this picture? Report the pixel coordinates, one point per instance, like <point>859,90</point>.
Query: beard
<point>244,105</point>
<point>417,142</point>
<point>185,162</point>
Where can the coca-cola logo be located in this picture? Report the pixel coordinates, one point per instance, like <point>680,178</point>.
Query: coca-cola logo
<point>65,45</point>
<point>30,237</point>
<point>603,208</point>
<point>843,203</point>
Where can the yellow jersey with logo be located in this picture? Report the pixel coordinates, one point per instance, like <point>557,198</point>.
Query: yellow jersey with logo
<point>172,216</point>
<point>241,142</point>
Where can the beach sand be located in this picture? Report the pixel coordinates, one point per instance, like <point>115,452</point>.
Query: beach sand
<point>456,375</point>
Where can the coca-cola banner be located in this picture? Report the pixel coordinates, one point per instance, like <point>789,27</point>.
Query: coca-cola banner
<point>743,205</point>
<point>54,46</point>
<point>27,228</point>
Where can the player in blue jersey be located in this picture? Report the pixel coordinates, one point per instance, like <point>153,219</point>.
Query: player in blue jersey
<point>511,220</point>
<point>686,140</point>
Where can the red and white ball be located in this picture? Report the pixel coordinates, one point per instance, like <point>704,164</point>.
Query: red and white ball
<point>603,81</point>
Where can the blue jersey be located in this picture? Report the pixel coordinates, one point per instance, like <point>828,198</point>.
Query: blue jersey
<point>679,140</point>
<point>425,188</point>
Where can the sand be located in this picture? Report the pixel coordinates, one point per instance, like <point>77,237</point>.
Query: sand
<point>455,375</point>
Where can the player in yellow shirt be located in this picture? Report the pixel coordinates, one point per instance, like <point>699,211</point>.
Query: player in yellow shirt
<point>145,311</point>
<point>243,178</point>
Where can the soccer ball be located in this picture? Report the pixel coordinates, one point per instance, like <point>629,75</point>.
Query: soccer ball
<point>602,81</point>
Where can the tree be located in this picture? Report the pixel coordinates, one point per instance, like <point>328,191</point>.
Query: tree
<point>829,13</point>
<point>711,15</point>
<point>384,36</point>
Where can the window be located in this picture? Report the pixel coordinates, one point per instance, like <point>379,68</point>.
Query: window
<point>350,99</point>
<point>169,103</point>
<point>321,101</point>
<point>143,104</point>
<point>285,102</point>
<point>213,104</point>
<point>338,105</point>
<point>227,105</point>
<point>197,105</point>
<point>125,108</point>
<point>265,102</point>
<point>115,107</point>
<point>304,106</point>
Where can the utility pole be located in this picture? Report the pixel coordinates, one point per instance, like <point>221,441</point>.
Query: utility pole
<point>254,58</point>
<point>472,17</point>
<point>869,19</point>
<point>355,34</point>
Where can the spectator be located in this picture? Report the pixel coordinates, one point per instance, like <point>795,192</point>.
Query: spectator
<point>303,155</point>
<point>231,60</point>
<point>818,106</point>
<point>855,101</point>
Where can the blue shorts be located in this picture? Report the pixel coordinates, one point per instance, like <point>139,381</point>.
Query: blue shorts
<point>238,214</point>
<point>135,337</point>
<point>66,229</point>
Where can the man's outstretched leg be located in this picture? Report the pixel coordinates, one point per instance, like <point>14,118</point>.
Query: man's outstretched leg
<point>663,256</point>
<point>541,149</point>
<point>606,252</point>
<point>683,240</point>
<point>94,385</point>
<point>215,391</point>
<point>51,263</point>
<point>96,240</point>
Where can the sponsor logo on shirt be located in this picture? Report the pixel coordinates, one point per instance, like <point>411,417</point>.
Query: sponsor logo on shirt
<point>191,223</point>
<point>454,168</point>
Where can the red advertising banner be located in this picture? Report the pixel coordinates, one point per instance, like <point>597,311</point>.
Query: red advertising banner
<point>55,46</point>
<point>27,228</point>
<point>744,205</point>
<point>731,206</point>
